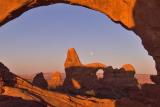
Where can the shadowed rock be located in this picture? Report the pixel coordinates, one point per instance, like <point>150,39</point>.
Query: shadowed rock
<point>116,83</point>
<point>155,79</point>
<point>6,77</point>
<point>8,101</point>
<point>40,81</point>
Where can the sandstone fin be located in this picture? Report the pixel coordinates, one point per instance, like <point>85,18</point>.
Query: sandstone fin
<point>72,59</point>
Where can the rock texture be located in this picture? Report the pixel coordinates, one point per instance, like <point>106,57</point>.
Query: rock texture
<point>140,16</point>
<point>24,94</point>
<point>6,77</point>
<point>56,80</point>
<point>72,59</point>
<point>120,82</point>
<point>81,79</point>
<point>40,81</point>
<point>1,84</point>
<point>77,73</point>
<point>9,101</point>
<point>119,10</point>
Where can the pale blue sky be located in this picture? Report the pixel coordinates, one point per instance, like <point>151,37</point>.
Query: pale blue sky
<point>38,40</point>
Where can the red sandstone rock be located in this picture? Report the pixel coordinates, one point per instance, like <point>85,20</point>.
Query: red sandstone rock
<point>116,83</point>
<point>72,59</point>
<point>83,75</point>
<point>95,65</point>
<point>40,81</point>
<point>56,80</point>
<point>24,94</point>
<point>76,84</point>
<point>128,68</point>
<point>28,95</point>
<point>7,78</point>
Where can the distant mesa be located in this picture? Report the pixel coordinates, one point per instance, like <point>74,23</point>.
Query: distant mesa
<point>40,81</point>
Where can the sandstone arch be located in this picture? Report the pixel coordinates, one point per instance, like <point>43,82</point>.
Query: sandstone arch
<point>140,16</point>
<point>82,78</point>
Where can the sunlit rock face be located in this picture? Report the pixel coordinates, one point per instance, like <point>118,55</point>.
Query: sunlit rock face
<point>82,79</point>
<point>118,10</point>
<point>56,80</point>
<point>72,59</point>
<point>140,16</point>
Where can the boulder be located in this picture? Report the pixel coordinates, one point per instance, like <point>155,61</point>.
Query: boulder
<point>6,77</point>
<point>40,81</point>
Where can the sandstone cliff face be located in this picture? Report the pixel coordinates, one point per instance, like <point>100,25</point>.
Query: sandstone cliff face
<point>140,16</point>
<point>82,79</point>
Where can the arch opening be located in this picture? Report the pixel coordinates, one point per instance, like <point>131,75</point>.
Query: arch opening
<point>92,55</point>
<point>100,74</point>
